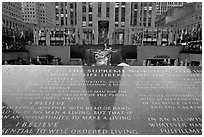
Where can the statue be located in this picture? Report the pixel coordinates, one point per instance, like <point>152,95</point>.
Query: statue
<point>103,56</point>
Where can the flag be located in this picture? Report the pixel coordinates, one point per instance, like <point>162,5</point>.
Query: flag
<point>103,33</point>
<point>40,33</point>
<point>68,32</point>
<point>159,39</point>
<point>22,34</point>
<point>181,35</point>
<point>108,34</point>
<point>170,37</point>
<point>93,34</point>
<point>113,37</point>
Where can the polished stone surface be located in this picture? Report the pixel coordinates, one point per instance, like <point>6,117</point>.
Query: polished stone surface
<point>101,100</point>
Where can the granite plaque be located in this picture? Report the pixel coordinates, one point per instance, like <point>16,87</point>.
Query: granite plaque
<point>76,100</point>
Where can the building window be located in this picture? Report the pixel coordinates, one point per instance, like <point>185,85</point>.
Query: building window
<point>66,21</point>
<point>107,9</point>
<point>150,12</point>
<point>75,11</point>
<point>135,17</point>
<point>144,20</point>
<point>84,18</point>
<point>71,5</point>
<point>144,24</point>
<point>116,14</point>
<point>62,11</point>
<point>84,24</point>
<point>123,15</point>
<point>90,17</point>
<point>62,21</point>
<point>57,17</point>
<point>90,6</point>
<point>122,24</point>
<point>99,9</point>
<point>135,7</point>
<point>71,18</point>
<point>90,24</point>
<point>83,6</point>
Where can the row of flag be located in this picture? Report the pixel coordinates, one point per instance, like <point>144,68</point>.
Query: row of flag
<point>88,35</point>
<point>182,35</point>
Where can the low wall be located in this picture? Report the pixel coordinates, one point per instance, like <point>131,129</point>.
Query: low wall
<point>13,55</point>
<point>145,52</point>
<point>190,57</point>
<point>127,51</point>
<point>58,51</point>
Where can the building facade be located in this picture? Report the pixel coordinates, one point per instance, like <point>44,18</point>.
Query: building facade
<point>31,12</point>
<point>143,14</point>
<point>39,13</point>
<point>12,9</point>
<point>102,22</point>
<point>162,7</point>
<point>174,14</point>
<point>47,16</point>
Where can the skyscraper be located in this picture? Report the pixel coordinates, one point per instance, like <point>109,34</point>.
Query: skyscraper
<point>31,12</point>
<point>47,16</point>
<point>143,14</point>
<point>38,13</point>
<point>100,22</point>
<point>65,13</point>
<point>12,9</point>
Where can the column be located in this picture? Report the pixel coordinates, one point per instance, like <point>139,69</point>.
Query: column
<point>79,21</point>
<point>47,36</point>
<point>127,35</point>
<point>112,22</point>
<point>95,22</point>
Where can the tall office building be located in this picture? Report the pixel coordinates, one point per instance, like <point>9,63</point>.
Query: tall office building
<point>39,13</point>
<point>162,7</point>
<point>31,12</point>
<point>65,13</point>
<point>47,16</point>
<point>102,22</point>
<point>98,22</point>
<point>143,14</point>
<point>12,9</point>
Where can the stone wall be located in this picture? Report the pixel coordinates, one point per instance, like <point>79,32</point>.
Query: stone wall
<point>58,51</point>
<point>145,52</point>
<point>190,57</point>
<point>14,55</point>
